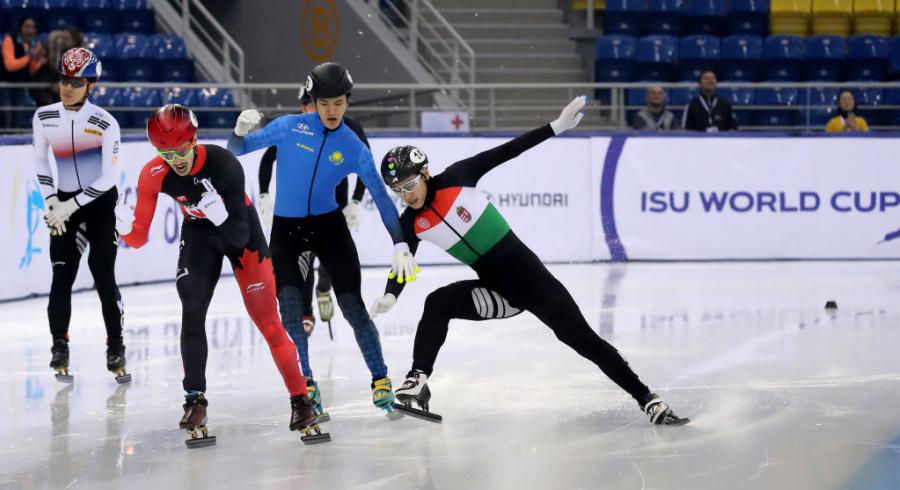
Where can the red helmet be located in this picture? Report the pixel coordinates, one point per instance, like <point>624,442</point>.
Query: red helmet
<point>171,126</point>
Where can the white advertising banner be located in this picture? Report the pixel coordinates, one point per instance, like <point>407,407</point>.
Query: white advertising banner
<point>544,194</point>
<point>754,198</point>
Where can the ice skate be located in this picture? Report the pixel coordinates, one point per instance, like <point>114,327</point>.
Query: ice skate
<point>194,421</point>
<point>660,413</point>
<point>383,397</point>
<point>60,361</point>
<point>315,396</point>
<point>415,389</point>
<point>115,362</point>
<point>304,419</point>
<point>326,309</point>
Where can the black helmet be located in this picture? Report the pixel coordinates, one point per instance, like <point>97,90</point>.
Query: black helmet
<point>401,163</point>
<point>328,80</point>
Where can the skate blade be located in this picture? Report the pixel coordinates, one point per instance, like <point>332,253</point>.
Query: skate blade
<point>122,377</point>
<point>200,442</point>
<point>314,435</point>
<point>323,417</point>
<point>63,376</point>
<point>200,438</point>
<point>419,414</point>
<point>678,422</point>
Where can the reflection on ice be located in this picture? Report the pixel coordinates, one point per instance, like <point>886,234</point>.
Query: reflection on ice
<point>782,393</point>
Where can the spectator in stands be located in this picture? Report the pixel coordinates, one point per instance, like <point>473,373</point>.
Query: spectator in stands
<point>23,55</point>
<point>57,43</point>
<point>846,120</point>
<point>707,111</point>
<point>655,117</point>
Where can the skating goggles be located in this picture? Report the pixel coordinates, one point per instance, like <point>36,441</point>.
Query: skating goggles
<point>171,155</point>
<point>408,186</point>
<point>76,82</point>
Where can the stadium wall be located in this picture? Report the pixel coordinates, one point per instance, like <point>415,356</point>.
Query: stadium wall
<point>572,199</point>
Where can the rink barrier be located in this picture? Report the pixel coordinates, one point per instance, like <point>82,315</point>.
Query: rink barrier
<point>601,196</point>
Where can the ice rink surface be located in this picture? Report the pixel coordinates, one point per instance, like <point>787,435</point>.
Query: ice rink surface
<point>783,395</point>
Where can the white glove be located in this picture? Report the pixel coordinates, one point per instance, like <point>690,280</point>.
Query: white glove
<point>246,121</point>
<point>267,208</point>
<point>60,213</point>
<point>570,116</point>
<point>382,305</point>
<point>124,217</point>
<point>212,205</point>
<point>52,202</point>
<point>351,214</point>
<point>405,267</point>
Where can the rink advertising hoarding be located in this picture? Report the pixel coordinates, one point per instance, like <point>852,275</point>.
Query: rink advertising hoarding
<point>570,199</point>
<point>724,198</point>
<point>545,195</point>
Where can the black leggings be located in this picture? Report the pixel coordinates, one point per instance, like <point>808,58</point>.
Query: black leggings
<point>513,281</point>
<point>327,237</point>
<point>93,227</point>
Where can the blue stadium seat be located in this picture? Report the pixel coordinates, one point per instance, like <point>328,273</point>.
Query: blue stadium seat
<point>109,99</point>
<point>680,97</point>
<point>184,96</point>
<point>170,53</point>
<point>894,64</point>
<point>615,59</point>
<point>696,54</point>
<point>891,97</point>
<point>741,57</point>
<point>787,97</point>
<point>823,105</point>
<point>98,16</point>
<point>60,14</point>
<point>665,17</point>
<point>867,57</point>
<point>135,52</point>
<point>740,98</point>
<point>826,58</point>
<point>623,17</point>
<point>867,98</point>
<point>150,99</point>
<point>784,57</point>
<point>104,47</point>
<point>706,17</point>
<point>748,17</point>
<point>657,57</point>
<point>216,98</point>
<point>135,16</point>
<point>12,12</point>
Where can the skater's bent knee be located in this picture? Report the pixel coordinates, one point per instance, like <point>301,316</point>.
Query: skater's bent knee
<point>354,310</point>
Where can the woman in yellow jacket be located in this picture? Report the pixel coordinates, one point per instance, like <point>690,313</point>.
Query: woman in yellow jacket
<point>846,120</point>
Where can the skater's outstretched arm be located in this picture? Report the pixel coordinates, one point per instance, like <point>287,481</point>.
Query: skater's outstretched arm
<point>357,128</point>
<point>468,172</point>
<point>243,141</point>
<point>393,288</point>
<point>387,210</point>
<point>148,189</point>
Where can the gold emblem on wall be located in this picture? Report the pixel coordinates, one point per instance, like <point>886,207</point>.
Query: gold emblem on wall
<point>319,29</point>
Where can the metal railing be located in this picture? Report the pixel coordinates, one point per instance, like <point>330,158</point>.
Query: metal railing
<point>436,44</point>
<point>502,106</point>
<point>218,55</point>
